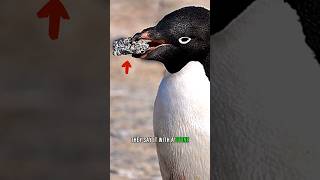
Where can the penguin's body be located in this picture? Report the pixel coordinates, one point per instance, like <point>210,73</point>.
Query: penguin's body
<point>182,108</point>
<point>181,41</point>
<point>265,96</point>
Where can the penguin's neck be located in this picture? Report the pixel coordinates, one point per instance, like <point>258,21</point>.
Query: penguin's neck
<point>265,78</point>
<point>192,71</point>
<point>184,99</point>
<point>204,59</point>
<point>206,64</point>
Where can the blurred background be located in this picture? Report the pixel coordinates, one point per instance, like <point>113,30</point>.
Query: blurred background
<point>132,96</point>
<point>53,93</point>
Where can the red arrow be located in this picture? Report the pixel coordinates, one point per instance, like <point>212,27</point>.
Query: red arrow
<point>54,9</point>
<point>126,65</point>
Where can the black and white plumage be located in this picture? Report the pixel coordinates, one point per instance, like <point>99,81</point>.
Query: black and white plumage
<point>187,22</point>
<point>265,90</point>
<point>181,41</point>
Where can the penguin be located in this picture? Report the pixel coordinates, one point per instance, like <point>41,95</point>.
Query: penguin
<point>265,90</point>
<point>181,42</point>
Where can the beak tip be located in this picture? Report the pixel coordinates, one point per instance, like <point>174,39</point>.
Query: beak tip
<point>141,35</point>
<point>136,37</point>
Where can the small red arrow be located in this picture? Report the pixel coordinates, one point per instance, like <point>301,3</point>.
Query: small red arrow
<point>126,65</point>
<point>54,9</point>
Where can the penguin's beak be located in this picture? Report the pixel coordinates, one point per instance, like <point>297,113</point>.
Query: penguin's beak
<point>154,40</point>
<point>145,34</point>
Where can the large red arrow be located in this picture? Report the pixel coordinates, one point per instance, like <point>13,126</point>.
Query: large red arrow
<point>126,65</point>
<point>54,9</point>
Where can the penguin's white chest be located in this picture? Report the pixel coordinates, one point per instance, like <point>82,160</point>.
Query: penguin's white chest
<point>182,108</point>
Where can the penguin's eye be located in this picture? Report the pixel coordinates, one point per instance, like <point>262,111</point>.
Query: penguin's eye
<point>184,40</point>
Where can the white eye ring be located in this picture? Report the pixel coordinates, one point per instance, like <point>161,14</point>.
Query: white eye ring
<point>184,40</point>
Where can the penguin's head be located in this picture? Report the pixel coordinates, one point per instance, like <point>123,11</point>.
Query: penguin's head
<point>180,37</point>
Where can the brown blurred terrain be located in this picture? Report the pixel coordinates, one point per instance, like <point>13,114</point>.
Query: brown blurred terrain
<point>53,93</point>
<point>132,96</point>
